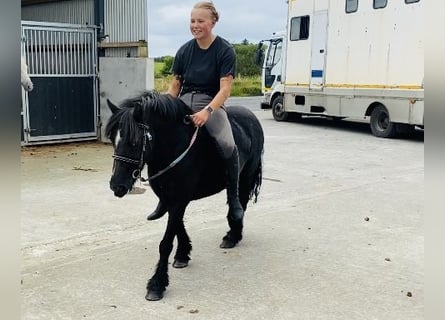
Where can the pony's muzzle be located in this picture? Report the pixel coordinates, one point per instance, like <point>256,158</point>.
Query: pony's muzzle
<point>119,190</point>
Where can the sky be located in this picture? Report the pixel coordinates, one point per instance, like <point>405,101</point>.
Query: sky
<point>254,20</point>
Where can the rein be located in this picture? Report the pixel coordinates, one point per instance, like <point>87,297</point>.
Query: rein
<point>137,173</point>
<point>178,159</point>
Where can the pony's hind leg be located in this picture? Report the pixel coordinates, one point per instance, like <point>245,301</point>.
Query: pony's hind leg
<point>234,235</point>
<point>182,255</point>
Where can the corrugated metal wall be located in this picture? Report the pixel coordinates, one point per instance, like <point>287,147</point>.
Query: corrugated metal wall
<point>125,21</point>
<point>74,11</point>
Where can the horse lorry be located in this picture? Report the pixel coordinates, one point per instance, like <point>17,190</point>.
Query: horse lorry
<point>349,59</point>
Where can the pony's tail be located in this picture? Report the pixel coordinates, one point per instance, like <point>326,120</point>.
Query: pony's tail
<point>255,191</point>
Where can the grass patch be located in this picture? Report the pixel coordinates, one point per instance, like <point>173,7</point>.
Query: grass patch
<point>158,68</point>
<point>241,86</point>
<point>162,83</point>
<point>246,86</point>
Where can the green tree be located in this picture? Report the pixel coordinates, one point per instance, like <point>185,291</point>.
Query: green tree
<point>168,62</point>
<point>245,56</point>
<point>245,60</point>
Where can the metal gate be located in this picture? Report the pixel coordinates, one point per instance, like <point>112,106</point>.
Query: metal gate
<point>62,64</point>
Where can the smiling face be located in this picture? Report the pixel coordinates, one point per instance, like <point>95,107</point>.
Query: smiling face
<point>201,23</point>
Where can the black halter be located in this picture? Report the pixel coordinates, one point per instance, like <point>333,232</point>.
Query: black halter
<point>147,136</point>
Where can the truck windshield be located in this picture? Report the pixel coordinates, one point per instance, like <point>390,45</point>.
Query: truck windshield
<point>274,53</point>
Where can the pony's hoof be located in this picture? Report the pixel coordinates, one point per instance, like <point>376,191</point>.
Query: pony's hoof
<point>180,264</point>
<point>227,244</point>
<point>153,295</point>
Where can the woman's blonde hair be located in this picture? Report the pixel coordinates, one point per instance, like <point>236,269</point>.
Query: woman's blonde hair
<point>209,6</point>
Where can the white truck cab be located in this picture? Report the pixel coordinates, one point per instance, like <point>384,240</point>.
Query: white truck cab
<point>273,66</point>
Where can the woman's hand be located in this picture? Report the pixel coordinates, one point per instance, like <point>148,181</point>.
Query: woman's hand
<point>200,118</point>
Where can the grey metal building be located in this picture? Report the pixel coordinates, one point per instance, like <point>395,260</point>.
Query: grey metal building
<point>79,53</point>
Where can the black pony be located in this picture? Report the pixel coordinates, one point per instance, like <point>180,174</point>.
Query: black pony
<point>183,165</point>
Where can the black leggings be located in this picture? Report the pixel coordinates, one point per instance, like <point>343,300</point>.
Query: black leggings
<point>218,124</point>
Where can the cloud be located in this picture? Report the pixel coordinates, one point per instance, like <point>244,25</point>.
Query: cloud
<point>249,19</point>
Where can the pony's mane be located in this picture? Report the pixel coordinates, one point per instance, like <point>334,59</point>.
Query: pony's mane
<point>150,102</point>
<point>163,104</point>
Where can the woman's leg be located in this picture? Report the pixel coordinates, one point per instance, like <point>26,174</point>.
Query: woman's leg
<point>220,129</point>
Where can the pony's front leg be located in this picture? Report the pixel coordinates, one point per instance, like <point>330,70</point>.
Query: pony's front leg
<point>158,283</point>
<point>182,255</point>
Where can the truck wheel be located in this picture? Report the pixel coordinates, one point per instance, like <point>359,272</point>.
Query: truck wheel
<point>381,125</point>
<point>278,109</point>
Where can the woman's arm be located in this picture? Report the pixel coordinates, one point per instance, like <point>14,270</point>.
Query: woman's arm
<point>175,86</point>
<point>225,87</point>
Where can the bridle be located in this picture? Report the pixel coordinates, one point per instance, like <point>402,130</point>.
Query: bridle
<point>140,162</point>
<point>147,137</point>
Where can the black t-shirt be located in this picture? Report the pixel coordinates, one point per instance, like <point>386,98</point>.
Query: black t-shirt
<point>201,70</point>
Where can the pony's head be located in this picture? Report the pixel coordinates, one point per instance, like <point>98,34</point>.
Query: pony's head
<point>131,130</point>
<point>25,79</point>
<point>127,136</point>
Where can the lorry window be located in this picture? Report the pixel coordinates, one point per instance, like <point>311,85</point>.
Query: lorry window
<point>411,1</point>
<point>299,28</point>
<point>274,53</point>
<point>351,6</point>
<point>378,4</point>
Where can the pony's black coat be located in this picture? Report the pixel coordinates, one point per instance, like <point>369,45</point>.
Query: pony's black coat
<point>199,174</point>
<point>202,167</point>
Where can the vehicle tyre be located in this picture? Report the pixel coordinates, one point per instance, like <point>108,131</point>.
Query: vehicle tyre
<point>381,125</point>
<point>278,109</point>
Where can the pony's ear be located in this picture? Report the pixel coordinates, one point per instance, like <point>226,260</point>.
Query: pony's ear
<point>112,107</point>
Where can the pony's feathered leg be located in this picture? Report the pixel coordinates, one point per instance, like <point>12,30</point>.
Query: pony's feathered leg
<point>236,211</point>
<point>160,280</point>
<point>182,255</point>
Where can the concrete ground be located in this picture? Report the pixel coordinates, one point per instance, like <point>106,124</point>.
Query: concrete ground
<point>337,233</point>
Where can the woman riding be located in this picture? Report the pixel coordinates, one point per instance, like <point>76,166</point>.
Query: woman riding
<point>203,71</point>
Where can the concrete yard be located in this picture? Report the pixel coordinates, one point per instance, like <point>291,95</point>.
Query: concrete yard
<point>337,233</point>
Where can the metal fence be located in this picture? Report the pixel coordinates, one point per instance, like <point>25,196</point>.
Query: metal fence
<point>59,49</point>
<point>62,63</point>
